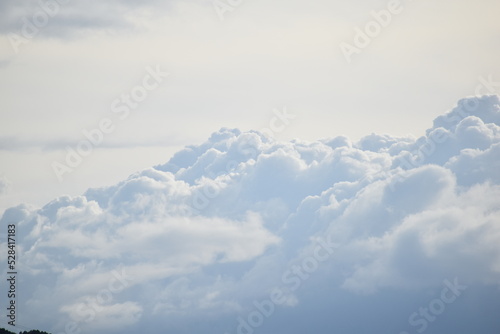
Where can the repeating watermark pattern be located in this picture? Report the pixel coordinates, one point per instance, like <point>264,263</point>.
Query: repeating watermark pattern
<point>426,315</point>
<point>31,27</point>
<point>221,7</point>
<point>121,106</point>
<point>372,29</point>
<point>293,277</point>
<point>277,124</point>
<point>87,311</point>
<point>291,280</point>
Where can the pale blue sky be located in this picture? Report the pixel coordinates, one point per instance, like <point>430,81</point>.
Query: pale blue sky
<point>228,73</point>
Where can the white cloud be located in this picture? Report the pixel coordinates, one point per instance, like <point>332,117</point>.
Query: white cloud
<point>211,231</point>
<point>457,236</point>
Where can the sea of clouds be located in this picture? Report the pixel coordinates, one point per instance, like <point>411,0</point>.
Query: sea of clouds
<point>245,234</point>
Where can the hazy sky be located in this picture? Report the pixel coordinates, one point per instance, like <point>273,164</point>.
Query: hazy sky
<point>377,202</point>
<point>227,69</point>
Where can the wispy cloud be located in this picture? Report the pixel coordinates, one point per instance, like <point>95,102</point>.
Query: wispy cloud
<point>12,143</point>
<point>67,17</point>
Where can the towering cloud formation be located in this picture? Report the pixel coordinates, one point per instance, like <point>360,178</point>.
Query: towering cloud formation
<point>243,232</point>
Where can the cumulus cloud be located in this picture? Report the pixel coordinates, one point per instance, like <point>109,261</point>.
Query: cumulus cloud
<point>367,227</point>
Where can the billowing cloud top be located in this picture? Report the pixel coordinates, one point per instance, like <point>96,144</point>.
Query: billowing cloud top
<point>245,234</point>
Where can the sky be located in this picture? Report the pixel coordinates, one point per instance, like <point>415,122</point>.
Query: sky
<point>227,68</point>
<point>312,164</point>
